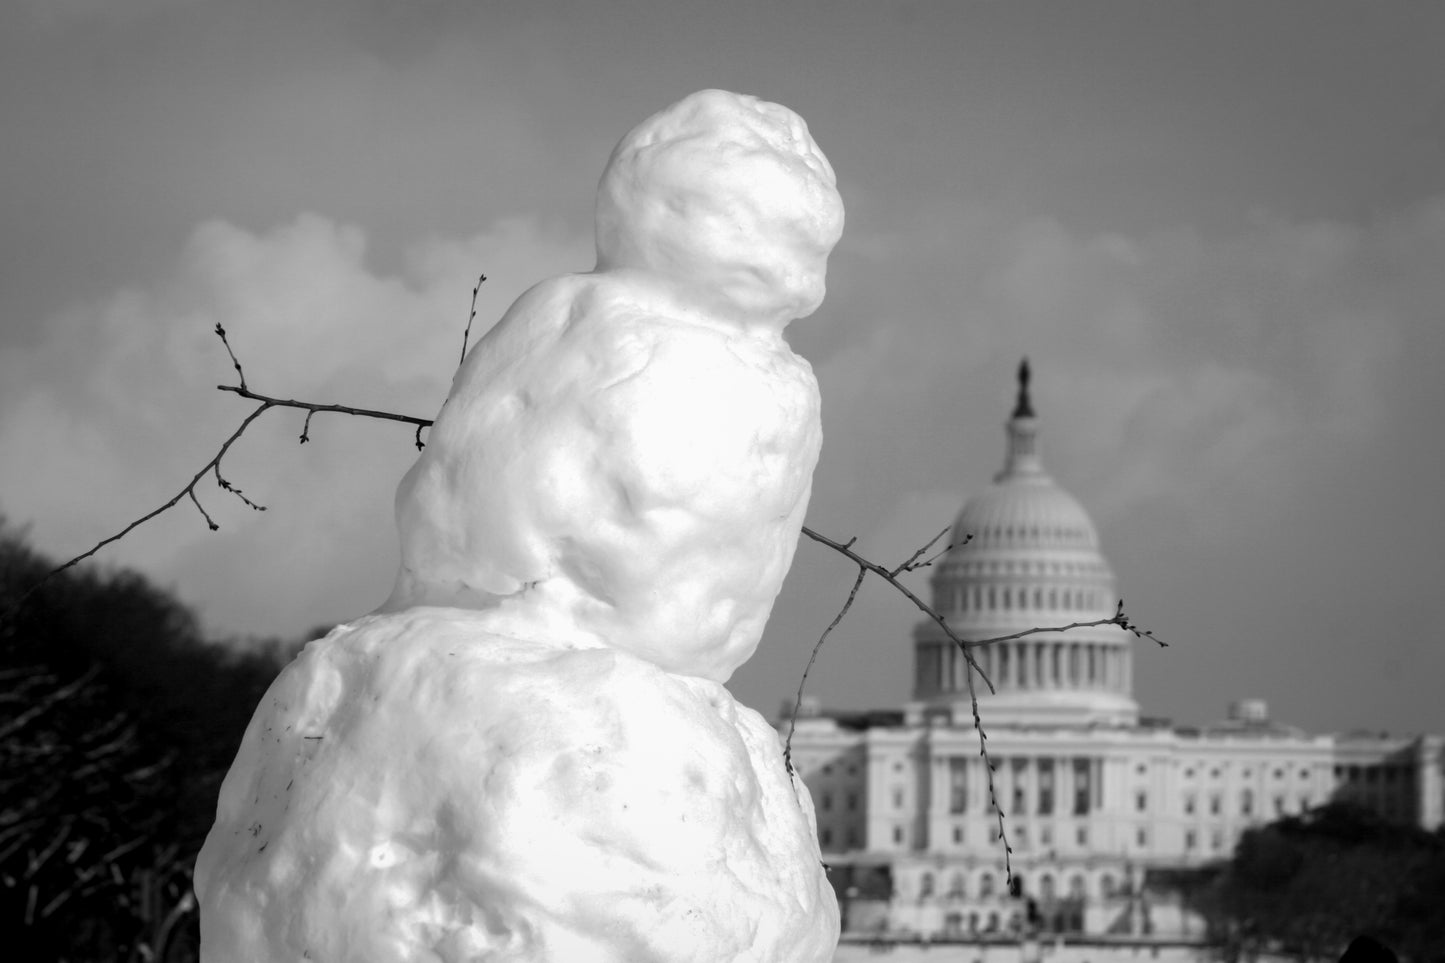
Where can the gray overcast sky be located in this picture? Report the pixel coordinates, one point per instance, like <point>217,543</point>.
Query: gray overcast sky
<point>1218,230</point>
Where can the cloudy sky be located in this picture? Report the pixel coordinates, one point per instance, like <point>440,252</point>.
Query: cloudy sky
<point>1218,231</point>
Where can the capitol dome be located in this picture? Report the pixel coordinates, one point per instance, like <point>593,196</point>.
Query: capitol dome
<point>1026,555</point>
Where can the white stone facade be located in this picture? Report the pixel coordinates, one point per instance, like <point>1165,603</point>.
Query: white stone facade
<point>1105,812</point>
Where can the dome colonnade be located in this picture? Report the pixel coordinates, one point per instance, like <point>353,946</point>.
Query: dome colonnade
<point>1026,554</point>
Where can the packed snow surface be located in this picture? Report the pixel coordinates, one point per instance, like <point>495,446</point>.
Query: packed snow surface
<point>415,788</point>
<point>526,754</point>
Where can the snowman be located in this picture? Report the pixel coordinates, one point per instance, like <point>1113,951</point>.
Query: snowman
<point>527,753</point>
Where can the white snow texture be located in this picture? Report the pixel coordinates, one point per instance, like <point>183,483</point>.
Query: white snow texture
<point>527,754</point>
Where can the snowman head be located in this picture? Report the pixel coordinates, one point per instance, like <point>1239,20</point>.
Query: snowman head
<point>728,199</point>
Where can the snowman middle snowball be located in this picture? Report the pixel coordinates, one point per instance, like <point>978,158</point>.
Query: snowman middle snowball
<point>625,459</point>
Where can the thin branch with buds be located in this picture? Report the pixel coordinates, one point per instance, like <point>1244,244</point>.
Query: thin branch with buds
<point>481,279</point>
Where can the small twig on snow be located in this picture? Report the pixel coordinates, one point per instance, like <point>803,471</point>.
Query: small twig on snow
<point>481,279</point>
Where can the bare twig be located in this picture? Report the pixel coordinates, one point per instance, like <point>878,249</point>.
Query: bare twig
<point>891,577</point>
<point>221,333</point>
<point>798,699</point>
<point>313,407</point>
<point>1122,621</point>
<point>214,465</point>
<point>481,279</point>
<point>912,564</point>
<point>189,491</point>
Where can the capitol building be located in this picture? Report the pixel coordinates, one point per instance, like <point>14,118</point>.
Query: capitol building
<point>1108,812</point>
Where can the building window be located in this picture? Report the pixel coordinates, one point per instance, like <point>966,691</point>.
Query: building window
<point>1214,805</point>
<point>1216,840</point>
<point>1082,788</point>
<point>1021,838</point>
<point>827,801</point>
<point>1141,837</point>
<point>1279,805</point>
<point>852,802</point>
<point>985,885</point>
<point>1076,887</point>
<point>1046,887</point>
<point>1046,837</point>
<point>1081,835</point>
<point>1046,787</point>
<point>955,886</point>
<point>1106,886</point>
<point>898,835</point>
<point>1189,839</point>
<point>957,784</point>
<point>958,834</point>
<point>826,836</point>
<point>852,838</point>
<point>925,886</point>
<point>898,799</point>
<point>1141,801</point>
<point>1246,803</point>
<point>1189,805</point>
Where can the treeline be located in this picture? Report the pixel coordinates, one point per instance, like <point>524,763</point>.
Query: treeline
<point>118,721</point>
<point>1305,886</point>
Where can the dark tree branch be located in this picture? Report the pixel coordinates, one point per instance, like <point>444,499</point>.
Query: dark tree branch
<point>313,407</point>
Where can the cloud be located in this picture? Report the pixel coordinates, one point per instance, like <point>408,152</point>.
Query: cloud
<point>1165,364</point>
<point>116,408</point>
